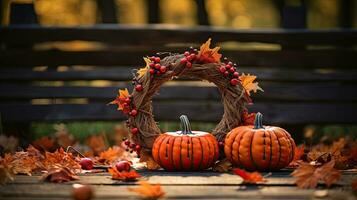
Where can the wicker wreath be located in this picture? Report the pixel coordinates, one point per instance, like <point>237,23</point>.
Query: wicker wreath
<point>203,65</point>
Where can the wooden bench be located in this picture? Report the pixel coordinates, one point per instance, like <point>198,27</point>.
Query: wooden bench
<point>308,76</point>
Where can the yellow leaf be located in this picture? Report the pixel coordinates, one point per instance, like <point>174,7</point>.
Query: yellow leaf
<point>120,99</point>
<point>208,55</point>
<point>247,82</point>
<point>142,71</point>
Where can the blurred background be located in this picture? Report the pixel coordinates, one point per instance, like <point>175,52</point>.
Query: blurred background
<point>237,14</point>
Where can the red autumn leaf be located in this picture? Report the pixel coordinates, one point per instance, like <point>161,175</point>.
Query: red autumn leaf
<point>208,55</point>
<point>124,175</point>
<point>308,175</point>
<point>120,100</point>
<point>148,191</point>
<point>253,177</point>
<point>59,174</point>
<point>248,118</point>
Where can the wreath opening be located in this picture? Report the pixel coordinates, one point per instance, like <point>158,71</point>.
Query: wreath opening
<point>204,64</point>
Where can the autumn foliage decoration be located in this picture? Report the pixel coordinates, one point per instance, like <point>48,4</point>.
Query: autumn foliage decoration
<point>185,149</point>
<point>203,64</point>
<point>259,147</point>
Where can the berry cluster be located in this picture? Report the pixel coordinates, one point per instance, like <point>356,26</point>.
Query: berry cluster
<point>128,108</point>
<point>229,69</point>
<point>138,86</point>
<point>190,56</point>
<point>131,147</point>
<point>156,67</point>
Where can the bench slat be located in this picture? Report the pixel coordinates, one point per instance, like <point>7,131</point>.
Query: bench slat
<point>162,34</point>
<point>300,59</point>
<point>275,113</point>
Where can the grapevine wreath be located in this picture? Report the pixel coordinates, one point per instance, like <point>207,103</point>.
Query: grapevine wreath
<point>202,64</point>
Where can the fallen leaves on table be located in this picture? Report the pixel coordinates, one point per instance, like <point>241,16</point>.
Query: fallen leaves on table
<point>124,175</point>
<point>59,174</point>
<point>61,158</point>
<point>208,55</point>
<point>150,162</point>
<point>308,175</point>
<point>249,84</point>
<point>249,177</point>
<point>299,152</point>
<point>222,166</point>
<point>44,143</point>
<point>120,99</point>
<point>142,71</point>
<point>148,191</point>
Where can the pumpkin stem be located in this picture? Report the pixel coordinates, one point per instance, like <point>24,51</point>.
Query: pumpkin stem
<point>258,122</point>
<point>185,125</point>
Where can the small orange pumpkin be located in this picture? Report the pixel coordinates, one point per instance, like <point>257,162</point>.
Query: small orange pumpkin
<point>185,150</point>
<point>259,147</point>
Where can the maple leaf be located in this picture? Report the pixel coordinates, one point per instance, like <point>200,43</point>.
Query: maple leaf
<point>23,162</point>
<point>59,174</point>
<point>150,162</point>
<point>44,143</point>
<point>208,55</point>
<point>60,158</point>
<point>148,191</point>
<point>222,166</point>
<point>124,175</point>
<point>252,178</point>
<point>308,175</point>
<point>142,71</point>
<point>248,118</point>
<point>111,155</point>
<point>120,99</point>
<point>248,85</point>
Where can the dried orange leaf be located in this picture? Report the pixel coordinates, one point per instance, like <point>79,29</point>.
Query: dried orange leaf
<point>150,162</point>
<point>142,71</point>
<point>208,55</point>
<point>60,158</point>
<point>120,99</point>
<point>299,152</point>
<point>248,83</point>
<point>222,166</point>
<point>111,155</point>
<point>253,177</point>
<point>148,191</point>
<point>123,176</point>
<point>59,174</point>
<point>248,118</point>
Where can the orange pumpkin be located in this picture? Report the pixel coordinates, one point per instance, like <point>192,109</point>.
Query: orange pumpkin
<point>185,150</point>
<point>259,147</point>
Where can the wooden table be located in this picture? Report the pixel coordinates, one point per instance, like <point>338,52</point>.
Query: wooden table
<point>180,185</point>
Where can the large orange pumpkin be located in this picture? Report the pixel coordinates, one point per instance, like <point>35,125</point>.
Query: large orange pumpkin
<point>259,147</point>
<point>185,150</point>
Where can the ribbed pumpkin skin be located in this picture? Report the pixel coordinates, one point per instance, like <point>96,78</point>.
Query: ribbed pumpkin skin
<point>185,152</point>
<point>263,149</point>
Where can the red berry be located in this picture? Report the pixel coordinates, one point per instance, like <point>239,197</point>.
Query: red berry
<point>139,87</point>
<point>188,65</point>
<point>232,69</point>
<point>163,69</point>
<point>183,60</point>
<point>133,112</point>
<point>152,65</point>
<point>82,192</point>
<point>228,66</point>
<point>234,81</point>
<point>127,100</point>
<point>152,71</point>
<point>86,163</point>
<point>158,72</point>
<point>157,59</point>
<point>222,69</point>
<point>123,166</point>
<point>193,56</point>
<point>132,145</point>
<point>137,147</point>
<point>230,63</point>
<point>134,130</point>
<point>152,58</point>
<point>186,53</point>
<point>127,142</point>
<point>236,74</point>
<point>226,73</point>
<point>157,66</point>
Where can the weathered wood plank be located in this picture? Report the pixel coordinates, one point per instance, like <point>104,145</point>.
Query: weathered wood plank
<point>276,113</point>
<point>161,34</point>
<point>124,73</point>
<point>329,58</point>
<point>273,91</point>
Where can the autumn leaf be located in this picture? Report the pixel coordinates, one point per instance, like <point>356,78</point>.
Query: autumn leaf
<point>150,162</point>
<point>111,155</point>
<point>248,118</point>
<point>148,191</point>
<point>44,143</point>
<point>124,175</point>
<point>308,175</point>
<point>208,55</point>
<point>120,99</point>
<point>60,158</point>
<point>252,178</point>
<point>142,71</point>
<point>299,152</point>
<point>222,166</point>
<point>59,174</point>
<point>248,83</point>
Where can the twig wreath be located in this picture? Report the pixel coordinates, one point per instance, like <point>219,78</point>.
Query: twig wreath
<point>203,64</point>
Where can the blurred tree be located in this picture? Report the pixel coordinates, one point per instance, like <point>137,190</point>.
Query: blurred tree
<point>202,14</point>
